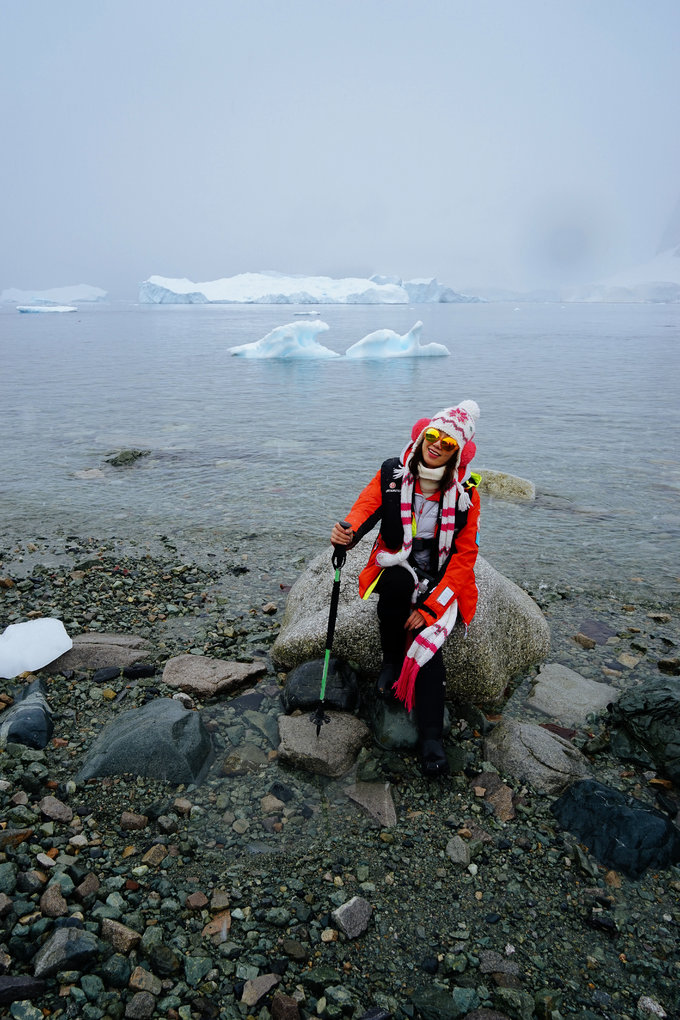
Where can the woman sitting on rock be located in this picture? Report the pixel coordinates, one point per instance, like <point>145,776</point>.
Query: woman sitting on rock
<point>422,563</point>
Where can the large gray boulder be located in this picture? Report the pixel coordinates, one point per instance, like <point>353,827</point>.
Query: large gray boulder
<point>507,636</point>
<point>160,740</point>
<point>330,752</point>
<point>534,755</point>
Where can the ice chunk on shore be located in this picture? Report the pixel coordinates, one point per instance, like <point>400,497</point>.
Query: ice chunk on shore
<point>294,340</point>
<point>76,294</point>
<point>385,343</point>
<point>277,288</point>
<point>32,645</point>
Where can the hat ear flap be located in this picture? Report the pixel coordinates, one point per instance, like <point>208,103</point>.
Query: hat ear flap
<point>468,453</point>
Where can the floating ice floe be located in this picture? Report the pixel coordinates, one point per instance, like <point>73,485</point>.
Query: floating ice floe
<point>294,340</point>
<point>385,343</point>
<point>46,308</point>
<point>25,647</point>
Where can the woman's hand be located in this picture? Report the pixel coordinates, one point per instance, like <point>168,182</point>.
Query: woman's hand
<point>341,536</point>
<point>415,621</point>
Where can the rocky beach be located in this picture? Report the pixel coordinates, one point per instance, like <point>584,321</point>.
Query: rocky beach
<point>265,890</point>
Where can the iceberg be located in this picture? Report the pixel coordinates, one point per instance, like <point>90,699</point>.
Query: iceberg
<point>77,294</point>
<point>277,288</point>
<point>294,340</point>
<point>385,343</point>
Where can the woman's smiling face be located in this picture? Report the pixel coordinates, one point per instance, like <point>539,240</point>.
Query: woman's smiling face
<point>434,452</point>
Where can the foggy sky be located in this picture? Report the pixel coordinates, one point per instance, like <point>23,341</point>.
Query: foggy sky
<point>488,143</point>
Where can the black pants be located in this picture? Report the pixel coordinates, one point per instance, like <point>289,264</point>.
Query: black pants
<point>395,588</point>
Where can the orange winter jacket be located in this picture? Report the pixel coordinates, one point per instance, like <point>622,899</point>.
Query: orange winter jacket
<point>456,580</point>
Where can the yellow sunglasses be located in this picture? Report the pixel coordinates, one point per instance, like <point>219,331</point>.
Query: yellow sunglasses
<point>447,444</point>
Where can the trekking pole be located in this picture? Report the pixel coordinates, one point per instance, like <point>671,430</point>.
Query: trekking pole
<point>319,717</point>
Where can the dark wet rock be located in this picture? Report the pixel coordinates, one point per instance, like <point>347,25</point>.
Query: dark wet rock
<point>619,831</point>
<point>507,635</point>
<point>29,720</point>
<point>319,978</point>
<point>597,631</point>
<point>126,457</point>
<point>66,949</point>
<point>99,650</point>
<point>564,694</point>
<point>486,1014</point>
<point>647,719</point>
<point>394,728</point>
<point>284,1007</point>
<point>160,740</point>
<point>532,754</point>
<point>330,753</point>
<point>243,760</point>
<point>203,677</point>
<point>139,671</point>
<point>106,675</point>
<point>434,1003</point>
<point>303,685</point>
<point>15,989</point>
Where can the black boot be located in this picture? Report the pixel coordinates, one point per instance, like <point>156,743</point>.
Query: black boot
<point>386,680</point>
<point>433,760</point>
<point>430,690</point>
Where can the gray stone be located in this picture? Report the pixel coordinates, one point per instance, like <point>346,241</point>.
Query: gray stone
<point>534,755</point>
<point>376,798</point>
<point>565,695</point>
<point>507,636</point>
<point>353,917</point>
<point>458,851</point>
<point>256,990</point>
<point>95,651</point>
<point>331,753</point>
<point>141,1006</point>
<point>66,949</point>
<point>160,740</point>
<point>503,486</point>
<point>203,677</point>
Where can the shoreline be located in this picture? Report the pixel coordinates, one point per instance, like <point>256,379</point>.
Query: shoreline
<point>521,930</point>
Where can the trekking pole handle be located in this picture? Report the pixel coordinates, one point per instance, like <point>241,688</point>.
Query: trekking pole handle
<point>340,551</point>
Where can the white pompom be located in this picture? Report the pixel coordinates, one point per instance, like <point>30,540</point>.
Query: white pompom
<point>472,408</point>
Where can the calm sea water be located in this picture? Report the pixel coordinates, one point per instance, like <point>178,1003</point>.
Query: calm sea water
<point>582,399</point>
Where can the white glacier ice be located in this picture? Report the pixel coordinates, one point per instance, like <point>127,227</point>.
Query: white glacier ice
<point>294,340</point>
<point>655,281</point>
<point>277,288</point>
<point>32,645</point>
<point>385,343</point>
<point>76,294</point>
<point>46,308</point>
